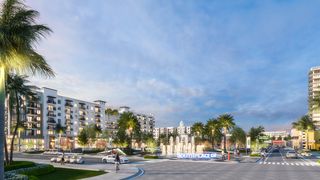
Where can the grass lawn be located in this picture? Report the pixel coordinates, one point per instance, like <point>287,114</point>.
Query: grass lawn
<point>68,174</point>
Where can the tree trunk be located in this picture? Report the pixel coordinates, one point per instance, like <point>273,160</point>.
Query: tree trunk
<point>307,139</point>
<point>6,149</point>
<point>17,125</point>
<point>2,119</point>
<point>225,140</point>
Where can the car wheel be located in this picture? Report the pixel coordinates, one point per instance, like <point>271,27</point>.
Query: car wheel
<point>104,161</point>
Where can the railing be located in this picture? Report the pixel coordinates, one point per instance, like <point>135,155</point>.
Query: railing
<point>51,102</point>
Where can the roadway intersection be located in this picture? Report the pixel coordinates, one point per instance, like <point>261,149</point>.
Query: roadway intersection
<point>275,167</point>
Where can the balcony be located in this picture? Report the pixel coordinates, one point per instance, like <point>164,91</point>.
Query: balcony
<point>69,104</point>
<point>51,121</point>
<point>67,111</point>
<point>51,108</point>
<point>82,119</point>
<point>51,115</point>
<point>97,115</point>
<point>32,105</point>
<point>50,101</point>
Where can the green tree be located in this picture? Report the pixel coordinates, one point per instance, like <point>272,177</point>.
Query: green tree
<point>306,125</point>
<point>238,136</point>
<point>19,34</point>
<point>59,129</point>
<point>254,133</point>
<point>227,122</point>
<point>17,90</point>
<point>151,145</point>
<point>197,129</point>
<point>213,130</point>
<point>83,138</point>
<point>128,128</point>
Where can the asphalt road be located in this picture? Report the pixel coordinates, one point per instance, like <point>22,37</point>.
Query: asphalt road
<point>275,167</point>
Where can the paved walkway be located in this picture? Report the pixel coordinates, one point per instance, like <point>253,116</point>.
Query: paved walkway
<point>126,170</point>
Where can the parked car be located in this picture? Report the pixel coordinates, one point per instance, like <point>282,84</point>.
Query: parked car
<point>291,154</point>
<point>111,158</point>
<point>76,159</point>
<point>305,153</point>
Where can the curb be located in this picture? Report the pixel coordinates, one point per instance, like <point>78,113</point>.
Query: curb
<point>138,174</point>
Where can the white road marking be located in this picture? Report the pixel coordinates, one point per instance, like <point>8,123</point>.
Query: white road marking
<point>269,162</point>
<point>292,164</point>
<point>282,163</point>
<point>278,163</point>
<point>260,162</point>
<point>297,164</point>
<point>273,163</point>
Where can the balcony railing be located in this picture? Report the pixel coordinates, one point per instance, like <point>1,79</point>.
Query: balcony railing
<point>69,104</point>
<point>51,115</point>
<point>51,102</point>
<point>51,121</point>
<point>82,119</point>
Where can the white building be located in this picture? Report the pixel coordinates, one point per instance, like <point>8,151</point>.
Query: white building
<point>314,90</point>
<point>276,134</point>
<point>180,130</point>
<point>49,109</point>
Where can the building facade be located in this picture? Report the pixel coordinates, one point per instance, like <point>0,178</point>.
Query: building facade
<point>180,130</point>
<point>42,113</point>
<point>314,90</point>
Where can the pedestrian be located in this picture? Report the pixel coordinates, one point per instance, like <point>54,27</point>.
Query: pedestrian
<point>117,162</point>
<point>62,158</point>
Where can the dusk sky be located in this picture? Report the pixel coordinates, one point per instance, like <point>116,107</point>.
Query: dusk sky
<point>185,60</point>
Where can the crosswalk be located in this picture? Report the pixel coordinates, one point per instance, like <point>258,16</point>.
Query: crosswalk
<point>290,163</point>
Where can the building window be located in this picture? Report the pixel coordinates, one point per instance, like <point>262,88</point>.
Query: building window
<point>59,114</point>
<point>59,108</point>
<point>59,101</point>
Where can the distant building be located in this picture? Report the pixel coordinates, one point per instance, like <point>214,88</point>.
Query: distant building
<point>314,90</point>
<point>180,130</point>
<point>277,134</point>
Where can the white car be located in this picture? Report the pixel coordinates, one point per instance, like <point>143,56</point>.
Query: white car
<point>306,153</point>
<point>76,160</point>
<point>291,154</point>
<point>111,158</point>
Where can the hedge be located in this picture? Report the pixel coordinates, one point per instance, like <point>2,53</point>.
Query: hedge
<point>151,157</point>
<point>255,155</point>
<point>29,173</point>
<point>19,165</point>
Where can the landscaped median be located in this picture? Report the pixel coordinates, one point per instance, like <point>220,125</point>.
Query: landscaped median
<point>20,171</point>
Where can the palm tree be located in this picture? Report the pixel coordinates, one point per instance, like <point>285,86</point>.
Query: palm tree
<point>213,128</point>
<point>17,90</point>
<point>18,35</point>
<point>59,129</point>
<point>226,121</point>
<point>238,136</point>
<point>197,129</point>
<point>128,124</point>
<point>304,124</point>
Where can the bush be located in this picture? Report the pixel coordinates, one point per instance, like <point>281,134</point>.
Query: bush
<point>255,155</point>
<point>151,157</point>
<point>318,161</point>
<point>14,176</point>
<point>19,165</point>
<point>92,151</point>
<point>39,170</point>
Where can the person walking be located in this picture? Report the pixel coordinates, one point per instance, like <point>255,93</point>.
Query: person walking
<point>117,162</point>
<point>62,159</point>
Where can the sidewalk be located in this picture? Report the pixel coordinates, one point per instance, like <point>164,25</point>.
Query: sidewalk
<point>126,170</point>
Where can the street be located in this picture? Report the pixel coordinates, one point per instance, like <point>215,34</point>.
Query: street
<point>275,167</point>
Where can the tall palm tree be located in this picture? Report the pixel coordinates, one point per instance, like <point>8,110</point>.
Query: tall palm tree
<point>59,129</point>
<point>18,35</point>
<point>198,129</point>
<point>17,90</point>
<point>304,124</point>
<point>227,122</point>
<point>213,128</point>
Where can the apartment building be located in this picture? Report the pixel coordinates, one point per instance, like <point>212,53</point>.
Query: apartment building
<point>314,90</point>
<point>180,130</point>
<point>147,122</point>
<point>276,134</point>
<point>41,115</point>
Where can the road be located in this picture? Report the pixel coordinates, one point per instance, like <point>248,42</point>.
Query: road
<point>275,167</point>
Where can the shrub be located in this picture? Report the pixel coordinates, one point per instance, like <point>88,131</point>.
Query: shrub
<point>151,157</point>
<point>318,161</point>
<point>255,155</point>
<point>92,151</point>
<point>14,176</point>
<point>19,165</point>
<point>38,170</point>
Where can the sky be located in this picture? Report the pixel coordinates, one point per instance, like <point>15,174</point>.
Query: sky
<point>187,60</point>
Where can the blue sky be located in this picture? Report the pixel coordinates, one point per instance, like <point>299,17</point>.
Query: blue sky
<point>185,60</point>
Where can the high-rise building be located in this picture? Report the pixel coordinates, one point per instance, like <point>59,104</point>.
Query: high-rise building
<point>314,90</point>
